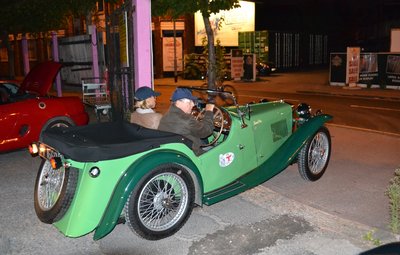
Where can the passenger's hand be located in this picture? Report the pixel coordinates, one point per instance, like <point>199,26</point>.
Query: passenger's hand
<point>210,107</point>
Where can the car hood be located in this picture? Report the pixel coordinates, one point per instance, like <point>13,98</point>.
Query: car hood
<point>40,78</point>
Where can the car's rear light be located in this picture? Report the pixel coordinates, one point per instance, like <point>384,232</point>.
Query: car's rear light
<point>56,162</point>
<point>33,149</point>
<point>42,149</point>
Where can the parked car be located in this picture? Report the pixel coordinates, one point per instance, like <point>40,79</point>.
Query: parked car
<point>26,109</point>
<point>94,177</point>
<point>265,68</point>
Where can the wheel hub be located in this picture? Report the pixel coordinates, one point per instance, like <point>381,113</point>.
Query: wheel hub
<point>319,153</point>
<point>161,201</point>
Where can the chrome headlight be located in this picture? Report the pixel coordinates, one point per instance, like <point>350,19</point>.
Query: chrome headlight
<point>303,111</point>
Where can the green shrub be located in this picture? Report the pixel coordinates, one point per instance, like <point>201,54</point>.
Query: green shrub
<point>221,68</point>
<point>193,70</point>
<point>393,192</point>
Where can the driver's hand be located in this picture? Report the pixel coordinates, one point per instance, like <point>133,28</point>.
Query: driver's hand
<point>210,107</point>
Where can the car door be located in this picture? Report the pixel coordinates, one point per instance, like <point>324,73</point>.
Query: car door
<point>229,160</point>
<point>8,119</point>
<point>272,124</point>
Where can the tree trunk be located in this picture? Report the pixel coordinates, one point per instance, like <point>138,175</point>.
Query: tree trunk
<point>211,72</point>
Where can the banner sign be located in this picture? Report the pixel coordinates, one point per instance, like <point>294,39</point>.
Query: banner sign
<point>169,54</point>
<point>353,65</point>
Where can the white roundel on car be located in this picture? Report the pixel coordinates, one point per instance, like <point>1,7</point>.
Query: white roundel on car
<point>226,159</point>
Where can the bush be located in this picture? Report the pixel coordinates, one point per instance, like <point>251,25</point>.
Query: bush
<point>393,192</point>
<point>221,72</point>
<point>193,70</point>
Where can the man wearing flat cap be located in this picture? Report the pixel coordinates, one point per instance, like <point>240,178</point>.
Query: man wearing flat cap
<point>144,114</point>
<point>179,119</point>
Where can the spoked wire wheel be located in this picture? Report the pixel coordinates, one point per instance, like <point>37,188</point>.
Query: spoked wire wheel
<point>314,156</point>
<point>162,203</point>
<point>54,190</point>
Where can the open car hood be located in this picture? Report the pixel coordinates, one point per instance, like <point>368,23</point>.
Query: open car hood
<point>40,78</point>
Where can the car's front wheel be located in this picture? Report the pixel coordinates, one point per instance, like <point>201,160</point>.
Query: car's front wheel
<point>54,191</point>
<point>314,157</point>
<point>161,203</point>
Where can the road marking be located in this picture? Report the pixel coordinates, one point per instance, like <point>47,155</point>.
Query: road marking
<point>374,108</point>
<point>364,129</point>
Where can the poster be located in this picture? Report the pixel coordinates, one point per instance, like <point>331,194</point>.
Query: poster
<point>249,66</point>
<point>379,69</point>
<point>393,70</point>
<point>236,64</point>
<point>352,66</point>
<point>393,64</point>
<point>169,54</point>
<point>368,68</point>
<point>337,74</point>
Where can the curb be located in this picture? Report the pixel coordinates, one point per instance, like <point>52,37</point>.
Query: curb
<point>325,93</point>
<point>364,130</point>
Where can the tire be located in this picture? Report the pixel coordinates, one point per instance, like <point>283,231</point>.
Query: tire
<point>314,157</point>
<point>54,191</point>
<point>161,203</point>
<point>55,123</point>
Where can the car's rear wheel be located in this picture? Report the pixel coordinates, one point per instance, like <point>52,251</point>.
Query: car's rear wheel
<point>161,203</point>
<point>55,123</point>
<point>314,157</point>
<point>54,191</point>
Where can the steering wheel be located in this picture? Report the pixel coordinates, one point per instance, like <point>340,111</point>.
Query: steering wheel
<point>218,119</point>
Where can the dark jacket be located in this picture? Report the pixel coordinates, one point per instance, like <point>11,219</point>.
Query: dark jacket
<point>179,122</point>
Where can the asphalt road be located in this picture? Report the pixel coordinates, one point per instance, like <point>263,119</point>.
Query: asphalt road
<point>363,109</point>
<point>353,111</point>
<point>285,215</point>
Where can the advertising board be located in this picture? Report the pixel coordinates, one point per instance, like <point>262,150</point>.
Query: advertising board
<point>232,21</point>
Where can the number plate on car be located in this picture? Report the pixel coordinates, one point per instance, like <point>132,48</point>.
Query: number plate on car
<point>47,152</point>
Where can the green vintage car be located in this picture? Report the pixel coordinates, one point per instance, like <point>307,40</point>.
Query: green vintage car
<point>94,177</point>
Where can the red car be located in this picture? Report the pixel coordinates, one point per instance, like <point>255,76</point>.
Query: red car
<point>26,110</point>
